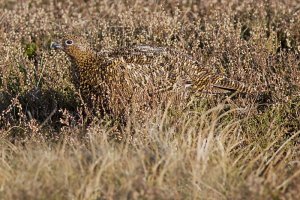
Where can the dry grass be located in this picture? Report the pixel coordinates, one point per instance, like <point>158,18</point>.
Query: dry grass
<point>212,148</point>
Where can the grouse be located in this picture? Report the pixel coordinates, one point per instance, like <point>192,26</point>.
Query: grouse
<point>142,74</point>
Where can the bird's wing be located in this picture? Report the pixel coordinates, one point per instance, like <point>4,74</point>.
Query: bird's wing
<point>142,66</point>
<point>160,62</point>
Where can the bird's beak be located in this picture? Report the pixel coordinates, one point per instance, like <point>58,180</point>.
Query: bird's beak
<point>54,45</point>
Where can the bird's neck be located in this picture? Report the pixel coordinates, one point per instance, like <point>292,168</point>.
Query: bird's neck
<point>85,59</point>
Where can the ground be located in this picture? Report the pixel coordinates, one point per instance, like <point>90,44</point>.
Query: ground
<point>215,147</point>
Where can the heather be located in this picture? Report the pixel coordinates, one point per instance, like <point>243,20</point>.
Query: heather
<point>214,147</point>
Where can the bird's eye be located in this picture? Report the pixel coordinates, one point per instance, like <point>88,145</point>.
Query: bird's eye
<point>69,42</point>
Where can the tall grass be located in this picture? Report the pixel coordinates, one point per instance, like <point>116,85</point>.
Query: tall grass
<point>210,148</point>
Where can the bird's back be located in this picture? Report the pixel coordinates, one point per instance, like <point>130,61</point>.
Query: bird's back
<point>166,69</point>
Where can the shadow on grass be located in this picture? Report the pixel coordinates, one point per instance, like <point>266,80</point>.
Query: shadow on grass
<point>37,104</point>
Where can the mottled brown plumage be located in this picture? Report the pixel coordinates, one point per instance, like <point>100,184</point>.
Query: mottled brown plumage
<point>141,74</point>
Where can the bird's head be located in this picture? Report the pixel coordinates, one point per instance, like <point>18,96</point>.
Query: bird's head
<point>74,46</point>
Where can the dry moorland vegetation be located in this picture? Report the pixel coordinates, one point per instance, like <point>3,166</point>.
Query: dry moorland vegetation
<point>246,147</point>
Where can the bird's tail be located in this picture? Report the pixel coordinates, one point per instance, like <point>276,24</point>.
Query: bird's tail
<point>226,85</point>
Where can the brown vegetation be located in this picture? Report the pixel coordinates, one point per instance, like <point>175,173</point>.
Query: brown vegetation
<point>244,147</point>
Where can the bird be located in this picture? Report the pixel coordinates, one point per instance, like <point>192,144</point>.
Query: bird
<point>144,74</point>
